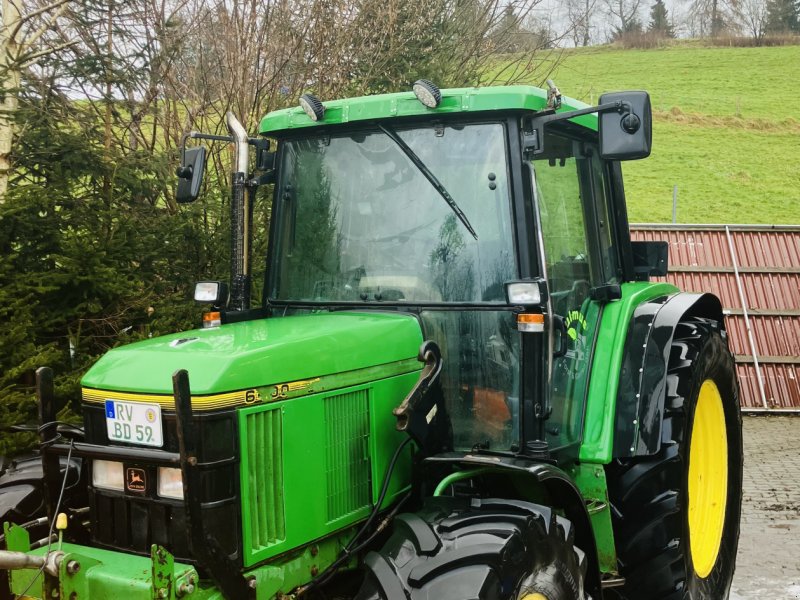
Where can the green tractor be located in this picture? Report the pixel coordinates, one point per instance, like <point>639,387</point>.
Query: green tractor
<point>461,383</point>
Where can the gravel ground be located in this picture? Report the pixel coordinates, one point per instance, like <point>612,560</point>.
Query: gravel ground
<point>768,564</point>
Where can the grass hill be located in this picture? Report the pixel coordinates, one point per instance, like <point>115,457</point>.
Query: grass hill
<point>726,128</point>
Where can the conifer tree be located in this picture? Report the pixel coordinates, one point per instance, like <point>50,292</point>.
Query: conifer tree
<point>783,16</point>
<point>659,21</point>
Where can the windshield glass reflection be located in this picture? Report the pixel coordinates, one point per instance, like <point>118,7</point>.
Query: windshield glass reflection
<point>362,223</point>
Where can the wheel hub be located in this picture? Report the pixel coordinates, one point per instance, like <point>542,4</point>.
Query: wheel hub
<point>708,479</point>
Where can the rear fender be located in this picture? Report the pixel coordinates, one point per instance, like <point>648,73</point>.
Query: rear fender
<point>22,489</point>
<point>643,379</point>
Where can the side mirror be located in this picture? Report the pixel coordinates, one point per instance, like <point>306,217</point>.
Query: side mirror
<point>627,133</point>
<point>265,160</point>
<point>190,174</point>
<point>650,259</point>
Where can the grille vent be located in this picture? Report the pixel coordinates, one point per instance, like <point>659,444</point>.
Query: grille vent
<point>347,453</point>
<point>265,481</point>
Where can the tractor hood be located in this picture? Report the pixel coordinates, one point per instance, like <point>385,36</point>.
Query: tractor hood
<point>260,353</point>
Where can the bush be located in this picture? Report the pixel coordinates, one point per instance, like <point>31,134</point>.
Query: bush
<point>643,40</point>
<point>774,39</point>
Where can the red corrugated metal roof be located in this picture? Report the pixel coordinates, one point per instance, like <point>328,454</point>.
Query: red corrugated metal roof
<point>768,260</point>
<point>780,385</point>
<point>773,336</point>
<point>763,291</point>
<point>767,248</point>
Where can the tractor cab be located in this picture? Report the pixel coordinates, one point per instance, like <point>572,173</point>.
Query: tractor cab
<point>496,228</point>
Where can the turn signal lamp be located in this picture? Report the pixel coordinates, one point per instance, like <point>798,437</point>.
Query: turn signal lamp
<point>212,319</point>
<point>530,322</point>
<point>170,483</point>
<point>107,474</point>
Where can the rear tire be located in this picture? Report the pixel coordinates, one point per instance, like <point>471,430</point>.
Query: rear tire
<point>479,549</point>
<point>651,495</point>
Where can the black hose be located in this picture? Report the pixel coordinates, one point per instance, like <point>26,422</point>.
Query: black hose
<point>349,550</point>
<point>387,478</point>
<point>52,523</point>
<point>328,573</point>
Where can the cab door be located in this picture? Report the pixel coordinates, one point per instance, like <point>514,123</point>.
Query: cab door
<point>571,198</point>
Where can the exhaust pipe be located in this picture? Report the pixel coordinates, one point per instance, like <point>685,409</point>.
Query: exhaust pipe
<point>241,217</point>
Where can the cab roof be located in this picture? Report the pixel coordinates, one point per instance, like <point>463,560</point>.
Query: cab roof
<point>405,104</point>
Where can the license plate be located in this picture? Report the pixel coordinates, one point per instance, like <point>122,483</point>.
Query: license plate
<point>134,423</point>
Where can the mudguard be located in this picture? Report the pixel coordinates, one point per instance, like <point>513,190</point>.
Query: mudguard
<point>21,494</point>
<point>22,491</point>
<point>643,379</point>
<point>559,488</point>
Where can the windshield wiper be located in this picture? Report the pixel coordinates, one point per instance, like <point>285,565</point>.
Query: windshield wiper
<point>429,176</point>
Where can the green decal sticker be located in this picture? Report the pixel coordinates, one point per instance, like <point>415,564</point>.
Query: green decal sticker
<point>576,324</point>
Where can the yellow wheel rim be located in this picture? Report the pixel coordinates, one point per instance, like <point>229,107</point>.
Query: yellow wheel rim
<point>535,596</point>
<point>708,479</point>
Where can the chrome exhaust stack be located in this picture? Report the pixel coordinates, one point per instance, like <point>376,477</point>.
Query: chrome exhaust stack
<point>241,217</point>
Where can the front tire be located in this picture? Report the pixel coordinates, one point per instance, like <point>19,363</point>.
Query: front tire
<point>478,549</point>
<point>676,513</point>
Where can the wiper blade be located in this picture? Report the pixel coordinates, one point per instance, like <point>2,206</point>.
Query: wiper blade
<point>429,176</point>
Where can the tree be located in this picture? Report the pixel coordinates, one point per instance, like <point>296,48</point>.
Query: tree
<point>625,17</point>
<point>659,21</point>
<point>753,17</point>
<point>783,16</point>
<point>580,14</point>
<point>22,31</point>
<point>713,17</point>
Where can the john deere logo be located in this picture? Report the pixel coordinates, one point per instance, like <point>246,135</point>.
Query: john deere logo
<point>135,480</point>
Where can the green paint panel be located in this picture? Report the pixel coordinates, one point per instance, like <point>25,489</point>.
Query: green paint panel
<point>290,571</point>
<point>405,104</point>
<point>601,404</point>
<point>335,450</point>
<point>591,481</point>
<point>259,353</point>
<point>106,575</point>
<point>347,453</point>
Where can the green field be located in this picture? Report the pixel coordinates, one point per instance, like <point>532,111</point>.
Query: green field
<point>726,130</point>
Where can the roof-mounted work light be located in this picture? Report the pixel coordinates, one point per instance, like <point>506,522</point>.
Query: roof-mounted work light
<point>427,93</point>
<point>312,106</point>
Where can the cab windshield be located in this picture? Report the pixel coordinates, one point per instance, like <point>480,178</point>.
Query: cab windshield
<point>361,223</point>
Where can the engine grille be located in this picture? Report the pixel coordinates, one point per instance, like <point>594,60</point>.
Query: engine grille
<point>265,478</point>
<point>347,453</point>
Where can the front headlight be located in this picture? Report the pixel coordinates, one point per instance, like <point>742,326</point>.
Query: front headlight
<point>170,483</point>
<point>107,474</point>
<point>526,293</point>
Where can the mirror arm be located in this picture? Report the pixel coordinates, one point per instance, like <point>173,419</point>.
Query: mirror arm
<point>532,140</point>
<point>196,135</point>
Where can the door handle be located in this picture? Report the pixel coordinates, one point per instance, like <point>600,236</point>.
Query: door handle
<point>560,325</point>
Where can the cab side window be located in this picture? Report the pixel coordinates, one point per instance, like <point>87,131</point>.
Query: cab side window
<point>571,190</point>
